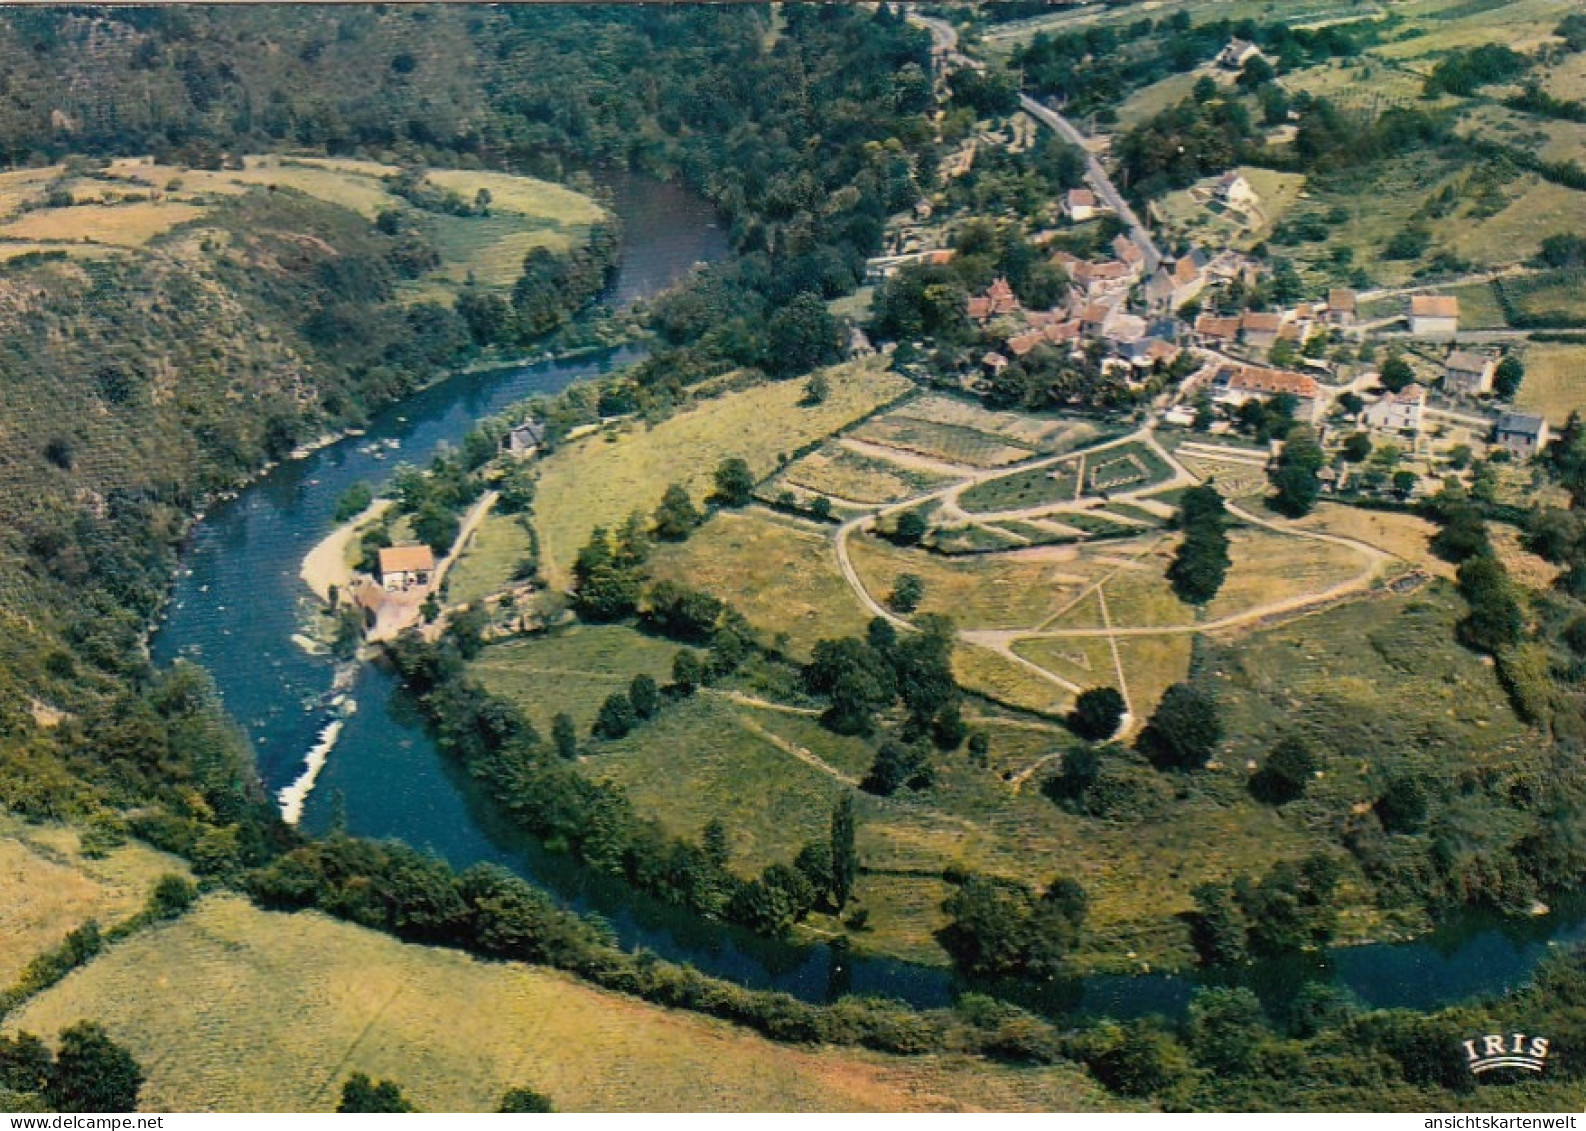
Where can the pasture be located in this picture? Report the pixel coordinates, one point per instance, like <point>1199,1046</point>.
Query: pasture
<point>1555,380</point>
<point>237,1009</point>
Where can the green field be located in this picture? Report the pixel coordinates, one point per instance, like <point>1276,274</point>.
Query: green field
<point>1555,380</point>
<point>599,480</point>
<point>572,670</point>
<point>490,560</point>
<point>236,1009</point>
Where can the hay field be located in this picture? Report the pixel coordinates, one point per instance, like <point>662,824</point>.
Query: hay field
<point>780,573</point>
<point>598,481</point>
<point>236,1009</point>
<point>1406,536</point>
<point>49,888</point>
<point>1542,209</point>
<point>1555,380</point>
<point>123,225</point>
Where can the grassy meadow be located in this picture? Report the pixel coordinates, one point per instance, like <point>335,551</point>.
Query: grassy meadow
<point>49,886</point>
<point>236,1009</point>
<point>1555,380</point>
<point>599,480</point>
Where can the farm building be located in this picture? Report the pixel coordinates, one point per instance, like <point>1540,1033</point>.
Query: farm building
<point>1079,205</point>
<point>1236,54</point>
<point>1431,315</point>
<point>1341,307</point>
<point>1236,192</point>
<point>403,567</point>
<point>525,440</point>
<point>1233,386</point>
<point>1521,434</point>
<point>1171,287</point>
<point>1468,372</point>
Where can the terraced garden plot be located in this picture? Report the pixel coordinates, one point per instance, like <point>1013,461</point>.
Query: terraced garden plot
<point>1039,433</point>
<point>491,559</point>
<point>844,474</point>
<point>780,573</point>
<point>1018,490</point>
<point>236,1009</point>
<point>974,539</point>
<point>1083,660</point>
<point>702,760</point>
<point>1001,679</point>
<point>950,443</point>
<point>1551,298</point>
<point>123,225</point>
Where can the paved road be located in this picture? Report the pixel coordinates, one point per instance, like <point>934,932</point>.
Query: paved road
<point>944,38</point>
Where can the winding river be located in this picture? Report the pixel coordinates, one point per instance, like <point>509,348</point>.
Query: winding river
<point>236,606</point>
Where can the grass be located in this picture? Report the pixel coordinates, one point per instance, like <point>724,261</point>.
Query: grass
<point>1515,234</point>
<point>1039,433</point>
<point>1478,307</point>
<point>123,225</point>
<point>490,560</point>
<point>236,1009</point>
<point>840,473</point>
<point>1559,296</point>
<point>703,759</point>
<point>951,443</point>
<point>1149,101</point>
<point>1018,490</point>
<point>1015,590</point>
<point>1270,567</point>
<point>1406,536</point>
<point>48,887</point>
<point>601,479</point>
<point>1555,380</point>
<point>572,670</point>
<point>997,677</point>
<point>780,573</point>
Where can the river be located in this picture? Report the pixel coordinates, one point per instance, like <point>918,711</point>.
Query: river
<point>237,603</point>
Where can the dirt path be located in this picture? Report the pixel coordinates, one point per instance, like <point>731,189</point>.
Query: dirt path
<point>797,751</point>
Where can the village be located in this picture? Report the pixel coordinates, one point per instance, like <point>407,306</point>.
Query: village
<point>1198,336</point>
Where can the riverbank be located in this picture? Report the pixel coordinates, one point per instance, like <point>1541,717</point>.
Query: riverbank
<point>326,564</point>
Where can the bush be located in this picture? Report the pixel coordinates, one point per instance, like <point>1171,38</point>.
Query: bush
<point>1184,731</point>
<point>1287,773</point>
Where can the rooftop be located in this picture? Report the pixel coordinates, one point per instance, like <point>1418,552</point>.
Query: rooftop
<point>406,559</point>
<point>1434,306</point>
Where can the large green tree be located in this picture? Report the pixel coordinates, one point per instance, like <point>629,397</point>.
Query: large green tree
<point>1184,730</point>
<point>92,1073</point>
<point>1295,475</point>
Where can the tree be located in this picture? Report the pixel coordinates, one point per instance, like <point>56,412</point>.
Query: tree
<point>606,579</point>
<point>1217,927</point>
<point>801,336</point>
<point>1357,446</point>
<point>676,516</point>
<point>525,1101</point>
<point>1184,730</point>
<point>1396,373</point>
<point>816,390</point>
<point>909,528</point>
<point>25,1063</point>
<point>92,1073</point>
<point>1225,1026</point>
<point>1202,560</point>
<point>436,527</point>
<point>906,593</point>
<point>354,501</point>
<point>1404,481</point>
<point>1402,806</point>
<point>1287,773</point>
<point>1295,477</point>
<point>1292,907</point>
<point>897,765</point>
<point>362,1095</point>
<point>645,696</point>
<point>1494,621</point>
<point>1097,713</point>
<point>998,927</point>
<point>616,717</point>
<point>856,680</point>
<point>734,482</point>
<point>1464,533</point>
<point>845,857</point>
<point>687,671</point>
<point>1144,1060</point>
<point>564,735</point>
<point>1507,377</point>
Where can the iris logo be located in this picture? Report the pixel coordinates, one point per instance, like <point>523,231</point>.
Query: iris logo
<point>1494,1050</point>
